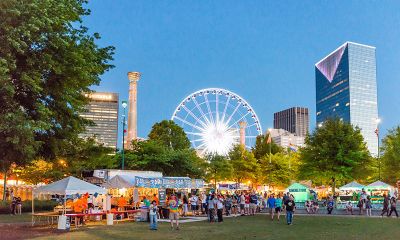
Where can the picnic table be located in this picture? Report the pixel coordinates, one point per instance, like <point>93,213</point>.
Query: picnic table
<point>79,215</point>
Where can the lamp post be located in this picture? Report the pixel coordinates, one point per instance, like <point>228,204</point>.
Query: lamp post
<point>124,105</point>
<point>378,120</point>
<point>270,143</point>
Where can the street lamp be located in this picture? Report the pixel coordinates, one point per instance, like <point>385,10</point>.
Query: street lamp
<point>270,143</point>
<point>378,121</point>
<point>124,105</point>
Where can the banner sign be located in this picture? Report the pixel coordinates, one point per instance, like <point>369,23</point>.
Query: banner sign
<point>298,190</point>
<point>168,182</point>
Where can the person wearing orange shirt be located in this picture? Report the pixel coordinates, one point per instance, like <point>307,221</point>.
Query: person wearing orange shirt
<point>155,198</point>
<point>122,203</point>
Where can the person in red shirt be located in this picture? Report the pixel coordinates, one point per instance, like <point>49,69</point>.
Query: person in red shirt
<point>247,204</point>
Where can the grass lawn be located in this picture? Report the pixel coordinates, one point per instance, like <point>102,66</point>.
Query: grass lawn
<point>7,218</point>
<point>257,227</point>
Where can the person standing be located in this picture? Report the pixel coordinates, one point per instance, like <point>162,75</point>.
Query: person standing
<point>13,205</point>
<point>278,206</point>
<point>290,207</point>
<point>330,205</point>
<point>203,203</point>
<point>386,203</point>
<point>253,203</point>
<point>393,207</point>
<point>220,208</point>
<point>153,215</point>
<point>247,204</point>
<point>19,206</point>
<point>185,203</point>
<point>193,204</point>
<point>368,206</point>
<point>242,204</point>
<point>173,212</point>
<point>285,199</point>
<point>271,205</point>
<point>211,207</point>
<point>228,205</point>
<point>234,204</point>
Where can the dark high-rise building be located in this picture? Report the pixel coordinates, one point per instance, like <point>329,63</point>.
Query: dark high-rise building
<point>294,120</point>
<point>103,111</point>
<point>346,88</point>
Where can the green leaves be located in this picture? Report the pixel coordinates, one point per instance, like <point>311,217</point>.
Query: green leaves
<point>47,61</point>
<point>336,149</point>
<point>391,156</point>
<point>168,133</point>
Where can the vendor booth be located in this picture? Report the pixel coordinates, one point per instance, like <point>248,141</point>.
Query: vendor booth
<point>377,189</point>
<point>69,188</point>
<point>300,192</point>
<point>350,191</point>
<point>138,191</point>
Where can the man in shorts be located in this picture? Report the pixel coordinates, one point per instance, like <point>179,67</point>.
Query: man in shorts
<point>193,204</point>
<point>247,204</point>
<point>253,203</point>
<point>271,205</point>
<point>242,203</point>
<point>173,211</point>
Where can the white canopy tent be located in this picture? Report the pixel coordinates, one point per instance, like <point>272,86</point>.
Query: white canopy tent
<point>353,186</point>
<point>120,181</point>
<point>67,186</point>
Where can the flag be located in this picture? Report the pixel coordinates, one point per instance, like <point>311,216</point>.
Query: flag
<point>269,140</point>
<point>292,147</point>
<point>377,132</point>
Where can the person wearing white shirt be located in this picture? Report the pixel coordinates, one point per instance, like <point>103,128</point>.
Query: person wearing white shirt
<point>193,203</point>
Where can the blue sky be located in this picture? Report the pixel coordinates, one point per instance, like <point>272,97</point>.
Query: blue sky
<point>264,51</point>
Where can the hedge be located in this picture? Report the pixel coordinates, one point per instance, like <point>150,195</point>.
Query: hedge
<point>40,205</point>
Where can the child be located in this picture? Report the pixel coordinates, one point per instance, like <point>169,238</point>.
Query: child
<point>153,215</point>
<point>368,205</point>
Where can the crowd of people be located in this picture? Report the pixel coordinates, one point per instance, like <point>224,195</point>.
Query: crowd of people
<point>217,205</point>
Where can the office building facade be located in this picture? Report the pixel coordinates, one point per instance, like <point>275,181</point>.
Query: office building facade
<point>294,120</point>
<point>103,111</point>
<point>286,139</point>
<point>346,88</point>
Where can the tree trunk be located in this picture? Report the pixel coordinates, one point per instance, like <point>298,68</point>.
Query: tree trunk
<point>5,185</point>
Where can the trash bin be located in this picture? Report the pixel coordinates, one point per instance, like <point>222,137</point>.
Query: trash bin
<point>144,214</point>
<point>63,224</point>
<point>110,218</point>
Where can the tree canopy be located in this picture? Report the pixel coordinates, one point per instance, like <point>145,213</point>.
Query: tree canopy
<point>391,156</point>
<point>334,151</point>
<point>245,165</point>
<point>262,146</point>
<point>168,133</point>
<point>219,168</point>
<point>47,60</point>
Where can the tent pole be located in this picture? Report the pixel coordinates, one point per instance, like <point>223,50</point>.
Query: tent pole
<point>65,203</point>
<point>33,207</point>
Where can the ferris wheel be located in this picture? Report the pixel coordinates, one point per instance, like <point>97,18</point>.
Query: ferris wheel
<point>216,119</point>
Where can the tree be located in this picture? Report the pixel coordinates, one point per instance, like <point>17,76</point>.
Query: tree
<point>170,135</point>
<point>391,156</point>
<point>86,154</point>
<point>155,156</point>
<point>219,168</point>
<point>40,171</point>
<point>262,147</point>
<point>282,169</point>
<point>245,166</point>
<point>334,152</point>
<point>47,60</point>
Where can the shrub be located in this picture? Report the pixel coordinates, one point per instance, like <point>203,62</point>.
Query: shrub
<point>40,205</point>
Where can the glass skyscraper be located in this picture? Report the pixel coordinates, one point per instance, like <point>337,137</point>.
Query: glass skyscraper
<point>346,88</point>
